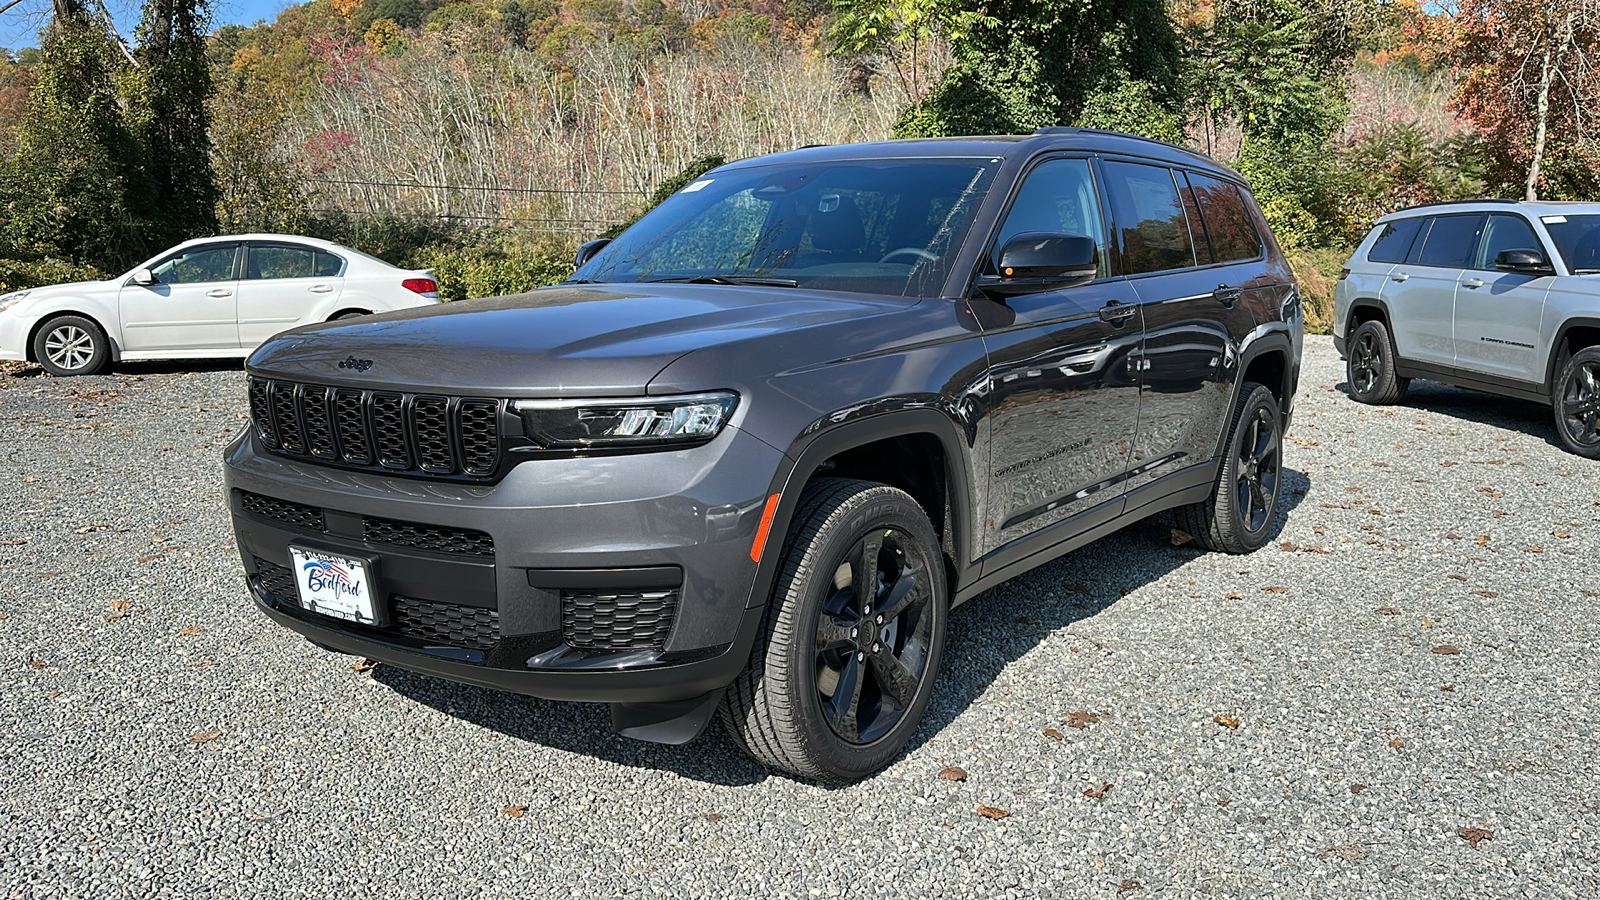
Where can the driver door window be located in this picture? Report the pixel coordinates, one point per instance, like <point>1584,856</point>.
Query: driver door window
<point>197,265</point>
<point>1505,233</point>
<point>1059,196</point>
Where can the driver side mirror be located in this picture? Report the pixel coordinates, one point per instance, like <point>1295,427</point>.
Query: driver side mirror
<point>1037,261</point>
<point>1527,262</point>
<point>144,276</point>
<point>587,251</point>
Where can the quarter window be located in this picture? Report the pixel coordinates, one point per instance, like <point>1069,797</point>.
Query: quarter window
<point>1502,233</point>
<point>196,265</point>
<point>1227,220</point>
<point>1058,196</point>
<point>1394,240</point>
<point>1449,242</point>
<point>1151,227</point>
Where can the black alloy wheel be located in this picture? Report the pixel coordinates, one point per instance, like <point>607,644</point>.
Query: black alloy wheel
<point>1577,403</point>
<point>1238,516</point>
<point>1370,365</point>
<point>851,638</point>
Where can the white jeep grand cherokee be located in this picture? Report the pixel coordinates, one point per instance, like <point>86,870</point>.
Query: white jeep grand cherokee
<point>1495,295</point>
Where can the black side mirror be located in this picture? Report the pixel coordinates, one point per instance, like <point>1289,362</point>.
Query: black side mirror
<point>1037,261</point>
<point>1527,262</point>
<point>588,249</point>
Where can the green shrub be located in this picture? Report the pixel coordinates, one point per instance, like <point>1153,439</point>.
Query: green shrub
<point>1318,272</point>
<point>493,267</point>
<point>21,274</point>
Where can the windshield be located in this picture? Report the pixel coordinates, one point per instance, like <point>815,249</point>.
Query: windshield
<point>1577,240</point>
<point>871,226</point>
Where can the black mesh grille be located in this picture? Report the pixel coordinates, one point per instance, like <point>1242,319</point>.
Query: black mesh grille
<point>286,419</point>
<point>278,581</point>
<point>261,412</point>
<point>430,427</point>
<point>350,416</point>
<point>417,434</point>
<point>479,447</point>
<point>615,622</point>
<point>319,428</point>
<point>297,514</point>
<point>439,538</point>
<point>458,626</point>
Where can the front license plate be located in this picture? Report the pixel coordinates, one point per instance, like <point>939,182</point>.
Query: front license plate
<point>335,585</point>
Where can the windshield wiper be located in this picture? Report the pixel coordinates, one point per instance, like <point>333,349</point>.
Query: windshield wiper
<point>1586,271</point>
<point>757,280</point>
<point>579,281</point>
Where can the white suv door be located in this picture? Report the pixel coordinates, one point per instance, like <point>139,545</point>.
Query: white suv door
<point>1498,313</point>
<point>1421,291</point>
<point>189,307</point>
<point>283,285</point>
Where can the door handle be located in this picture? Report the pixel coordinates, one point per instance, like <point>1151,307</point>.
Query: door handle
<point>1400,276</point>
<point>320,289</point>
<point>1117,312</point>
<point>1227,296</point>
<point>1472,283</point>
<point>219,292</point>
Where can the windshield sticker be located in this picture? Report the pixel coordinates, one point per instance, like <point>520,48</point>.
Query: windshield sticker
<point>697,185</point>
<point>1554,220</point>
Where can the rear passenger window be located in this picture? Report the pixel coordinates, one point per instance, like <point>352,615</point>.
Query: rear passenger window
<point>1227,220</point>
<point>1150,225</point>
<point>1449,243</point>
<point>1394,240</point>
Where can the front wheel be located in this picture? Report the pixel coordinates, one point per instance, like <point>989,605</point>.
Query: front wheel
<point>71,345</point>
<point>1238,516</point>
<point>854,628</point>
<point>1577,403</point>
<point>1370,369</point>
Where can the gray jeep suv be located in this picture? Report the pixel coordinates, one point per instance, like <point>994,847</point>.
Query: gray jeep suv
<point>1496,295</point>
<point>750,455</point>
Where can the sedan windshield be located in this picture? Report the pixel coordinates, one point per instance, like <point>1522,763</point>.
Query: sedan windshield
<point>871,226</point>
<point>1577,240</point>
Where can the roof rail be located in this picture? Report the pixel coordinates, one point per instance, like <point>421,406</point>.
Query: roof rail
<point>1458,203</point>
<point>1074,129</point>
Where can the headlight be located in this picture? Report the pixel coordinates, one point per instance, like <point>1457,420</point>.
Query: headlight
<point>642,422</point>
<point>12,299</point>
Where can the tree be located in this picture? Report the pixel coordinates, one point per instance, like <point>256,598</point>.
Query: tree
<point>1528,81</point>
<point>167,93</point>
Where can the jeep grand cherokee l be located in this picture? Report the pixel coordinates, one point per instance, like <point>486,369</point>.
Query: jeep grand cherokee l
<point>1499,296</point>
<point>751,453</point>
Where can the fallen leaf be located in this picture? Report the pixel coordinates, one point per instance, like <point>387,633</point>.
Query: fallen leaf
<point>1224,801</point>
<point>713,818</point>
<point>1097,793</point>
<point>1233,595</point>
<point>1535,549</point>
<point>953,773</point>
<point>1483,540</point>
<point>12,543</point>
<point>191,629</point>
<point>1052,733</point>
<point>1561,534</point>
<point>1397,745</point>
<point>1387,611</point>
<point>515,812</point>
<point>1080,718</point>
<point>1128,884</point>
<point>1357,788</point>
<point>1027,620</point>
<point>203,736</point>
<point>1490,594</point>
<point>38,663</point>
<point>990,812</point>
<point>1447,650</point>
<point>363,665</point>
<point>1348,852</point>
<point>1274,590</point>
<point>1426,622</point>
<point>1453,536</point>
<point>1226,721</point>
<point>1457,576</point>
<point>149,556</point>
<point>1474,835</point>
<point>1320,530</point>
<point>1181,537</point>
<point>1447,687</point>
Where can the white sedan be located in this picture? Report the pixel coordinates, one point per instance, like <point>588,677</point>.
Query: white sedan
<point>212,297</point>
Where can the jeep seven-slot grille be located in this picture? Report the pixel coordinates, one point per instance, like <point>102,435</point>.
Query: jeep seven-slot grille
<point>617,621</point>
<point>471,627</point>
<point>423,434</point>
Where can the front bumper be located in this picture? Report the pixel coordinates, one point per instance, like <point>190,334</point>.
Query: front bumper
<point>14,330</point>
<point>508,585</point>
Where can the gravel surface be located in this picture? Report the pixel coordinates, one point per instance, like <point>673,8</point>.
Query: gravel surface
<point>1155,721</point>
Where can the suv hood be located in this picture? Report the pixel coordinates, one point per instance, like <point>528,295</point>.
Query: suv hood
<point>601,340</point>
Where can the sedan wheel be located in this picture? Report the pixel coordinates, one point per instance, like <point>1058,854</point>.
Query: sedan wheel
<point>71,345</point>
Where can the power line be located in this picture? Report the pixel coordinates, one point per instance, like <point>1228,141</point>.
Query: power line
<point>472,187</point>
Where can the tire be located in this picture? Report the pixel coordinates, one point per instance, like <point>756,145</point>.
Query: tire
<point>1370,367</point>
<point>789,709</point>
<point>1237,518</point>
<point>349,314</point>
<point>71,345</point>
<point>1576,398</point>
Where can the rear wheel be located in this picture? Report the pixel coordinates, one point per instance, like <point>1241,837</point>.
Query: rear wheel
<point>71,345</point>
<point>1370,368</point>
<point>1577,403</point>
<point>854,628</point>
<point>350,314</point>
<point>1238,516</point>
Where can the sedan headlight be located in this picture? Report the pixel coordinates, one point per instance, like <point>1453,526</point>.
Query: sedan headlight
<point>12,299</point>
<point>641,422</point>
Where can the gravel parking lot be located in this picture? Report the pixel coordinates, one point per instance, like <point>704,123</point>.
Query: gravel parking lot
<point>1396,696</point>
